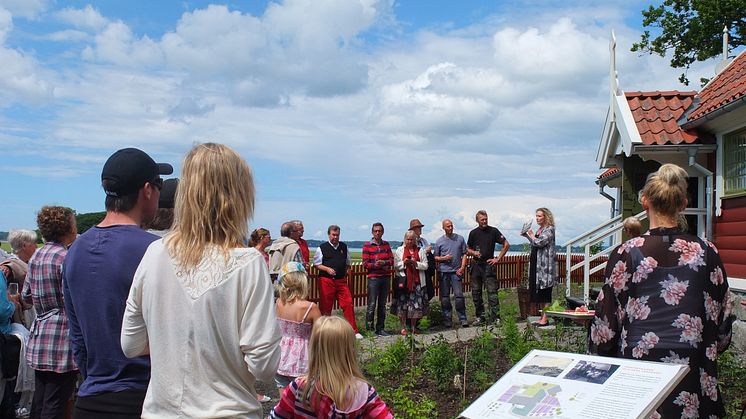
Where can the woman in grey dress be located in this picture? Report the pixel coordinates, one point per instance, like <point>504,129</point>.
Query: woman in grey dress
<point>543,268</point>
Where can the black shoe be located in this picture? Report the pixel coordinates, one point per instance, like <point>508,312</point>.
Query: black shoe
<point>382,333</point>
<point>464,323</point>
<point>478,321</point>
<point>448,325</point>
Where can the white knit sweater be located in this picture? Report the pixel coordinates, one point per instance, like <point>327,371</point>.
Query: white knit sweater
<point>210,333</point>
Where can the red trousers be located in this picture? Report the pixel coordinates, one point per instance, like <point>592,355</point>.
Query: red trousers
<point>331,289</point>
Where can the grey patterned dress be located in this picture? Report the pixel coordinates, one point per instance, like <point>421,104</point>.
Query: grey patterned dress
<point>543,270</point>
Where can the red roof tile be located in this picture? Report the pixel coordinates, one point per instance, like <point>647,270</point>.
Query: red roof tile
<point>609,173</point>
<point>725,88</point>
<point>656,115</point>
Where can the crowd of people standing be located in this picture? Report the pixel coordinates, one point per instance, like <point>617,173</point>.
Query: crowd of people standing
<point>184,323</point>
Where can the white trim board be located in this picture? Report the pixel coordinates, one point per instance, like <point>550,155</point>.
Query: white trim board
<point>737,284</point>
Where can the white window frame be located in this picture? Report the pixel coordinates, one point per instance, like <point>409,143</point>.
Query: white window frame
<point>721,155</point>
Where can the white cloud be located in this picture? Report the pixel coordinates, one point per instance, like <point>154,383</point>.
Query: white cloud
<point>85,18</point>
<point>421,107</point>
<point>116,44</point>
<point>555,56</point>
<point>46,172</point>
<point>20,76</point>
<point>28,9</point>
<point>67,35</point>
<point>6,24</point>
<point>297,47</point>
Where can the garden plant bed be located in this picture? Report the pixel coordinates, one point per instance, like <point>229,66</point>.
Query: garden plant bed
<point>430,383</point>
<point>419,377</point>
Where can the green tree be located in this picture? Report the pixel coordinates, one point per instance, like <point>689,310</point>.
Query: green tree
<point>692,29</point>
<point>88,220</point>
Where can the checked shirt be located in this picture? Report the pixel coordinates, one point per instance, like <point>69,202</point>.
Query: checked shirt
<point>49,342</point>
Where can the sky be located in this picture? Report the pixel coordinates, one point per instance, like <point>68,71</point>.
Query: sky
<point>348,111</point>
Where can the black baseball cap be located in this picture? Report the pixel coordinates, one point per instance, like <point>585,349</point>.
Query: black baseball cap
<point>168,193</point>
<point>127,170</point>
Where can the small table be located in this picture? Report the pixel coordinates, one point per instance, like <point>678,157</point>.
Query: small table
<point>582,317</point>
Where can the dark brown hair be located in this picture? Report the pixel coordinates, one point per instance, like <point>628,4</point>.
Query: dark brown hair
<point>257,235</point>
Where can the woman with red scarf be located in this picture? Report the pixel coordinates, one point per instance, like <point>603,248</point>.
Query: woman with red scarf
<point>411,264</point>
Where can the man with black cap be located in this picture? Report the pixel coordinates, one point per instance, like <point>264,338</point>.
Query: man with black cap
<point>97,276</point>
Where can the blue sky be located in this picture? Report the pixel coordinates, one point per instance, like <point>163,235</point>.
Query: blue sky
<point>348,111</point>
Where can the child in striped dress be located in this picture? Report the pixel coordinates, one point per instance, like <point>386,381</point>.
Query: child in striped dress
<point>334,386</point>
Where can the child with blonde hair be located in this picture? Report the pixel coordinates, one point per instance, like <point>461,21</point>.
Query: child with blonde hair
<point>295,316</point>
<point>334,386</point>
<point>632,227</point>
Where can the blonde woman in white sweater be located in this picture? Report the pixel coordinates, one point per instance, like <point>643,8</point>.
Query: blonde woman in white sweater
<point>201,303</point>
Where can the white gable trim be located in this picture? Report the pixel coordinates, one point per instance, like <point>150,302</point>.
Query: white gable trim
<point>628,133</point>
<point>619,121</point>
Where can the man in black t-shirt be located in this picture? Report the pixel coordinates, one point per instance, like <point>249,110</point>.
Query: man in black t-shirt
<point>481,245</point>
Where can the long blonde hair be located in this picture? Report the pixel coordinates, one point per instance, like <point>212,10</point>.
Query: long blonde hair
<point>213,206</point>
<point>332,363</point>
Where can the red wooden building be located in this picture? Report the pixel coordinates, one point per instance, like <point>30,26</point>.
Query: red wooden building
<point>705,133</point>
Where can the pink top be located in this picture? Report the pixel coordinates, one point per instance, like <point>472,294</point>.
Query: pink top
<point>294,346</point>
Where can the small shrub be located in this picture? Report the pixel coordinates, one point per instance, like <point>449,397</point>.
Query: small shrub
<point>434,314</point>
<point>403,402</point>
<point>732,387</point>
<point>441,363</point>
<point>423,324</point>
<point>482,361</point>
<point>389,361</point>
<point>514,343</point>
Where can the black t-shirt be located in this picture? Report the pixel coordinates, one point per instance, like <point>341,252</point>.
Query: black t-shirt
<point>485,239</point>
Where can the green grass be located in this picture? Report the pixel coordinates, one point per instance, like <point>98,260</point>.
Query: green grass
<point>5,246</point>
<point>354,256</point>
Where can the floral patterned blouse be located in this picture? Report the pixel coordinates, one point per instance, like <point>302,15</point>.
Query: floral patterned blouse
<point>666,299</point>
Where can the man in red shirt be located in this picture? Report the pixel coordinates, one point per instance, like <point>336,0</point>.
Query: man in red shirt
<point>378,261</point>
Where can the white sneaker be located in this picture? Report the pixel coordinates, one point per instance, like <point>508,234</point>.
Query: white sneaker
<point>358,336</point>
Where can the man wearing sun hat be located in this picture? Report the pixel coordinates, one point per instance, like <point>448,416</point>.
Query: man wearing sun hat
<point>97,275</point>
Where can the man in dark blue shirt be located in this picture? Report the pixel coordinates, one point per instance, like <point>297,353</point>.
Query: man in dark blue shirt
<point>97,275</point>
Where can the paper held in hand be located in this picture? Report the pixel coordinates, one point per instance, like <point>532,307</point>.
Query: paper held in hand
<point>546,384</point>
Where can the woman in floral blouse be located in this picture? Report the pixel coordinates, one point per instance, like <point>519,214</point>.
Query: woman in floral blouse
<point>666,299</point>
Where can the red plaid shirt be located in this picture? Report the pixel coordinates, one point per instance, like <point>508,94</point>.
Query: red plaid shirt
<point>49,342</point>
